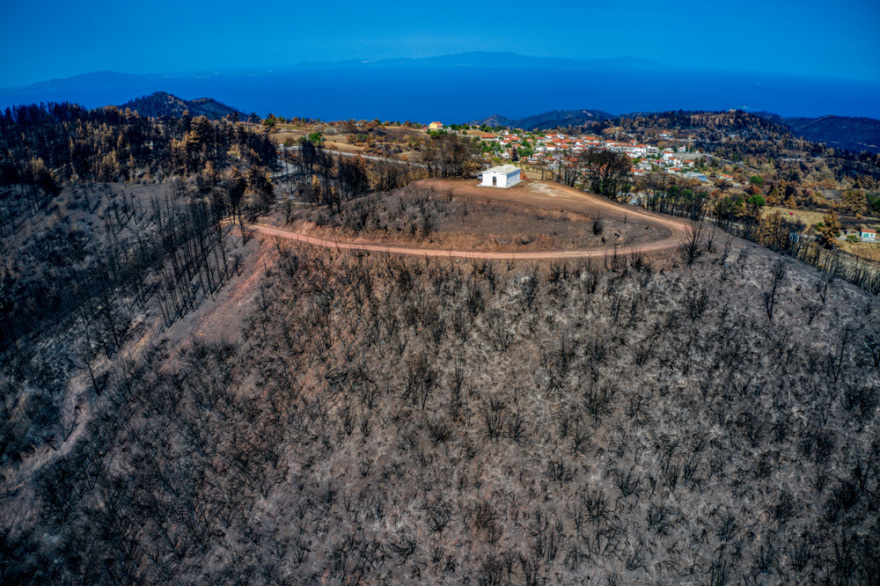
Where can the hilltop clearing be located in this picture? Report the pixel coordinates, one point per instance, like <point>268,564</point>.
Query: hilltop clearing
<point>460,216</point>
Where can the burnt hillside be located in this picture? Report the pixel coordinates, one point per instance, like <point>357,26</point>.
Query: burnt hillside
<point>384,420</point>
<point>46,144</point>
<point>182,403</point>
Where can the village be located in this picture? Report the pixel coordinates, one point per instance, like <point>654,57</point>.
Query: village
<point>548,149</point>
<point>509,155</point>
<point>661,157</point>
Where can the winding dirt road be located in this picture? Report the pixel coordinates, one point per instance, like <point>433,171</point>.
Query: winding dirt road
<point>674,225</point>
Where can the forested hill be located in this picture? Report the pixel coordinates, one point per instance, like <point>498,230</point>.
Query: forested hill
<point>165,105</point>
<point>553,119</point>
<point>842,132</point>
<point>839,132</point>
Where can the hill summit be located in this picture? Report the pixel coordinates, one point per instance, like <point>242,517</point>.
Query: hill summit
<point>165,105</point>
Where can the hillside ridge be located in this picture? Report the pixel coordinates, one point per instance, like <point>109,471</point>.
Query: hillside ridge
<point>845,132</point>
<point>165,105</point>
<point>545,120</point>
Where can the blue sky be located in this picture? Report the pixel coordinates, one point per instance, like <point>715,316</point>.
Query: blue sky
<point>45,39</point>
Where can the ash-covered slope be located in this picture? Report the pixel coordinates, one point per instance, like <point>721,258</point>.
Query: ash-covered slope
<point>388,420</point>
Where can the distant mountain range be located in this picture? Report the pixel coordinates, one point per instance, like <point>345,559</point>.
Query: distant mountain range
<point>85,80</point>
<point>505,60</point>
<point>165,105</point>
<point>475,59</point>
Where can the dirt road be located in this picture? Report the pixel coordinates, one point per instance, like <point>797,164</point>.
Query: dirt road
<point>675,226</point>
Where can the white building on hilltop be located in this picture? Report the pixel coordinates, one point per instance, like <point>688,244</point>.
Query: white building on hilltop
<point>503,176</point>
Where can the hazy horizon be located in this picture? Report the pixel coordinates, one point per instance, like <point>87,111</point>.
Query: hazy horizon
<point>50,39</point>
<point>462,93</point>
<point>257,68</point>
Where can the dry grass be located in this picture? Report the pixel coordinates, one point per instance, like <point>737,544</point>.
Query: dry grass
<point>811,217</point>
<point>808,217</point>
<point>866,250</point>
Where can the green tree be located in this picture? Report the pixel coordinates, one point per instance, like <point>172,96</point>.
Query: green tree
<point>757,201</point>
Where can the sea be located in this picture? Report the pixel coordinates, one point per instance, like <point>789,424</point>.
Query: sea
<point>462,94</point>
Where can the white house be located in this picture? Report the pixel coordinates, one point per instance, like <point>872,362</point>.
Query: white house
<point>868,234</point>
<point>503,176</point>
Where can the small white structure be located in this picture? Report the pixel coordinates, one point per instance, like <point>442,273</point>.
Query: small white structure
<point>503,176</point>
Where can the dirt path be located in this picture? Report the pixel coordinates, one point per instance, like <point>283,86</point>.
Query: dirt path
<point>675,226</point>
